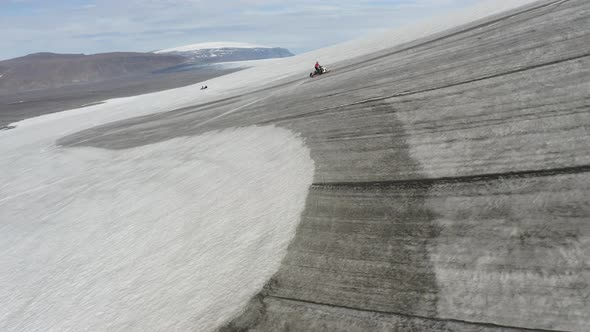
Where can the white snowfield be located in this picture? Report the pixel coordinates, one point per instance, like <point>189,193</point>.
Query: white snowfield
<point>164,236</point>
<point>209,46</point>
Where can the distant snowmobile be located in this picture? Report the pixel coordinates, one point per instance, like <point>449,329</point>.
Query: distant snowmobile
<point>320,71</point>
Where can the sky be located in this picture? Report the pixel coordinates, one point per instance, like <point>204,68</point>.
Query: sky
<point>86,26</point>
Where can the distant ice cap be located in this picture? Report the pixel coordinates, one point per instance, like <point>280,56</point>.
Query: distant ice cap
<point>213,45</point>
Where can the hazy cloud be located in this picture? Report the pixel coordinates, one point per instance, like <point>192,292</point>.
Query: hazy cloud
<point>76,26</point>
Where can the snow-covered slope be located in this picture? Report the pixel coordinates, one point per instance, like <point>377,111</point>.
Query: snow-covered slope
<point>137,239</point>
<point>264,72</point>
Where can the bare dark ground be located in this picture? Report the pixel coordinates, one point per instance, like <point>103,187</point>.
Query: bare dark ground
<point>19,106</point>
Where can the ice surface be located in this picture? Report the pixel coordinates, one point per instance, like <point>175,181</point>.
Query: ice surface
<point>165,236</point>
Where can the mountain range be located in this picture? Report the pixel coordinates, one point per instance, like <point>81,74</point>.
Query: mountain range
<point>49,70</point>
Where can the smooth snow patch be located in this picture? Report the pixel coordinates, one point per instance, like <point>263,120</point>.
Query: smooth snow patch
<point>207,46</point>
<point>177,235</point>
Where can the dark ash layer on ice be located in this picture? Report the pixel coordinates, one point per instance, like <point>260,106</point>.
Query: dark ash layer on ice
<point>452,181</point>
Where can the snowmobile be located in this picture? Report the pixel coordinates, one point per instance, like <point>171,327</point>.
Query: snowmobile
<point>320,71</point>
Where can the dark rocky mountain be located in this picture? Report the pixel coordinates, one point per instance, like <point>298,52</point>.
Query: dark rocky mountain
<point>49,70</point>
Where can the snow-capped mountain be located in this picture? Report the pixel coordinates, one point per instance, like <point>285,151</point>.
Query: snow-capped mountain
<point>227,51</point>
